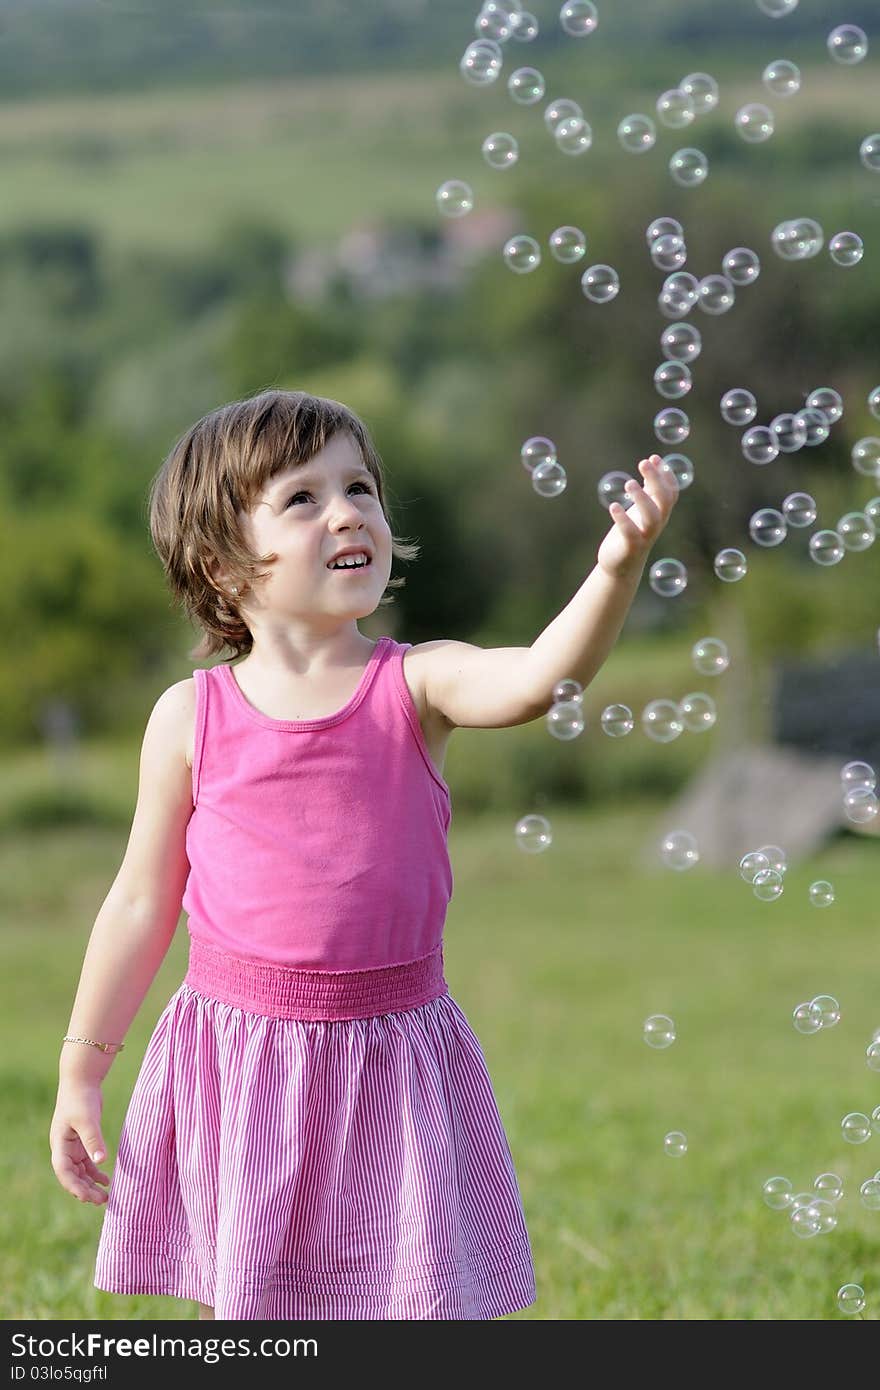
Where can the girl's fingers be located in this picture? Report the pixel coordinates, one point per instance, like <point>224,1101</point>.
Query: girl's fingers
<point>660,482</point>
<point>622,518</point>
<point>647,511</point>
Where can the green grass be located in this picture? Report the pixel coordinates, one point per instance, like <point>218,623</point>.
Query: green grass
<point>166,169</point>
<point>556,960</point>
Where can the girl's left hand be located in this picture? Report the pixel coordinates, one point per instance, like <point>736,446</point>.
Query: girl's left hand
<point>635,529</point>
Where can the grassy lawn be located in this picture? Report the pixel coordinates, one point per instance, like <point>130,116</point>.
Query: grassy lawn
<point>556,959</point>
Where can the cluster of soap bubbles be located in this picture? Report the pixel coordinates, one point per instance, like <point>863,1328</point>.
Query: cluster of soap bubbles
<point>802,238</point>
<point>811,1213</point>
<point>858,781</point>
<point>681,291</point>
<point>821,1012</point>
<point>764,869</point>
<point>538,457</point>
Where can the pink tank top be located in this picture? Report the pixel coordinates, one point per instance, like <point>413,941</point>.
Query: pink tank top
<point>318,843</point>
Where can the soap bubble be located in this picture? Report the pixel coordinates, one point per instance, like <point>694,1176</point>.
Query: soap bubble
<point>874,402</point>
<point>526,27</point>
<point>789,431</point>
<point>846,248</point>
<point>675,108</point>
<point>562,109</point>
<point>710,656</point>
<point>872,1054</point>
<point>759,445</point>
<point>500,150</point>
<point>675,1144</point>
<point>858,774</point>
<point>574,135</point>
<point>549,479</point>
<point>754,122</point>
<point>875,1119</point>
<point>637,133</point>
<point>662,721</point>
<point>671,425</point>
<point>860,805</point>
<point>815,1218</point>
<point>716,294</point>
<point>673,379</point>
<point>568,689</point>
<point>777,1193</point>
<point>869,1192</point>
<point>806,1019</point>
<point>567,244</point>
<point>826,548</point>
<point>600,283</point>
<point>829,1186</point>
<point>681,469</point>
<point>777,9</point>
<point>494,22</point>
<point>533,834</point>
<point>611,488</point>
<point>738,406</point>
<point>538,449</point>
<point>866,456</point>
<point>856,531</point>
<point>855,1127</point>
<point>617,721</point>
<point>753,863</point>
<point>785,242</point>
<point>668,578</point>
<point>767,885</point>
<point>768,527</point>
<point>682,342</point>
<point>730,565</point>
<point>679,294</point>
<point>697,711</point>
<point>741,265</point>
<point>526,86</point>
<point>821,893</point>
<point>663,226</point>
<point>851,1299</point>
<point>565,719</point>
<point>799,509</point>
<point>679,850</point>
<point>828,1009</point>
<point>869,152</point>
<point>578,18</point>
<point>776,857</point>
<point>658,1031</point>
<point>454,198</point>
<point>829,401</point>
<point>668,252</point>
<point>847,43</point>
<point>817,423</point>
<point>872,510</point>
<point>522,254</point>
<point>481,62</point>
<point>782,78</point>
<point>702,89</point>
<point>689,167</point>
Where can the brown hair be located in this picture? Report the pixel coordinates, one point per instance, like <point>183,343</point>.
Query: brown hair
<point>220,465</point>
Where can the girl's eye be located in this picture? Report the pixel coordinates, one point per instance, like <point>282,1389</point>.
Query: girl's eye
<point>367,487</point>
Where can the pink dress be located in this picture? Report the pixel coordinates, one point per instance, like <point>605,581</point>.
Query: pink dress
<point>313,1131</point>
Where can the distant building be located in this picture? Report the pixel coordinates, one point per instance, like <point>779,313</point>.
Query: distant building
<point>377,260</point>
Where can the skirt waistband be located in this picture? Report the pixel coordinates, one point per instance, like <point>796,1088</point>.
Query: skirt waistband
<point>282,991</point>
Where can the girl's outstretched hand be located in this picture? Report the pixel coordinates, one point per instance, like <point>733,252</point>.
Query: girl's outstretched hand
<point>635,529</point>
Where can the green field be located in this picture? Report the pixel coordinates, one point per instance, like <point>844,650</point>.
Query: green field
<point>556,959</point>
<point>167,169</point>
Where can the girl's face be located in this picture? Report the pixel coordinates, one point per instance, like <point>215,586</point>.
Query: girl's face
<point>306,515</point>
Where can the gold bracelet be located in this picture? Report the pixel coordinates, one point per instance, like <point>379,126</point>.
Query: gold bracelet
<point>105,1047</point>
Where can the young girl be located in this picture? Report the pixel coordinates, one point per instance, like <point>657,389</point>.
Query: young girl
<point>312,1131</point>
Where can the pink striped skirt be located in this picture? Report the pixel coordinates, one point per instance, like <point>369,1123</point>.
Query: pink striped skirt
<point>316,1144</point>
